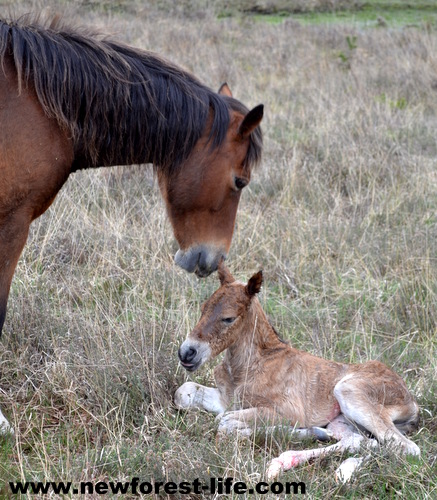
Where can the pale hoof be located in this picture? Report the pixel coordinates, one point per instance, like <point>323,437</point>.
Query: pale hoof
<point>412,449</point>
<point>274,469</point>
<point>321,433</point>
<point>284,462</point>
<point>185,396</point>
<point>347,469</point>
<point>5,426</point>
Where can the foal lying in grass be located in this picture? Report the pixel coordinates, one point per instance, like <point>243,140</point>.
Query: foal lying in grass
<point>261,377</point>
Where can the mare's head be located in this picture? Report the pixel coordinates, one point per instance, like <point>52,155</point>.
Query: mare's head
<point>223,320</point>
<point>202,196</point>
<point>203,145</point>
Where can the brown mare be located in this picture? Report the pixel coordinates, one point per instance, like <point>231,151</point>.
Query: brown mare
<point>262,377</point>
<point>70,100</point>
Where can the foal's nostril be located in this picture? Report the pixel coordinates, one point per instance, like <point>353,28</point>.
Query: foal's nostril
<point>188,355</point>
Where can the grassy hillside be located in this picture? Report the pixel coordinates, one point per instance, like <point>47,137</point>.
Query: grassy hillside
<point>341,216</point>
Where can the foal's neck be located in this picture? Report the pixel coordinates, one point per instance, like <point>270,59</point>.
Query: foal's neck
<point>257,338</point>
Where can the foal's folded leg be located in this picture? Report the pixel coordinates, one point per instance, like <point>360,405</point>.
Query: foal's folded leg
<point>349,439</point>
<point>192,395</point>
<point>355,404</point>
<point>316,433</point>
<point>241,421</point>
<point>245,420</point>
<point>293,458</point>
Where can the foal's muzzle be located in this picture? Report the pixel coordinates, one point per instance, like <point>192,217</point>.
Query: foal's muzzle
<point>201,259</point>
<point>192,354</point>
<point>188,359</point>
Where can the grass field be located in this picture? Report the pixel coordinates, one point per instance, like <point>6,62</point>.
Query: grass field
<point>361,13</point>
<point>341,216</point>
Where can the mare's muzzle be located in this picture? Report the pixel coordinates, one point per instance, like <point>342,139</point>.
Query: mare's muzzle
<point>201,259</point>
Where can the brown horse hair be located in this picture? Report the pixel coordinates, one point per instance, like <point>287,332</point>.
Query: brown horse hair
<point>111,98</point>
<point>261,380</point>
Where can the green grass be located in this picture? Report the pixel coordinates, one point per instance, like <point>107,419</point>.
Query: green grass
<point>367,14</point>
<point>373,17</point>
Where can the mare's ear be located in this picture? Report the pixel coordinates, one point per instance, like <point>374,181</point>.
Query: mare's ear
<point>225,90</point>
<point>254,284</point>
<point>223,273</point>
<point>251,121</point>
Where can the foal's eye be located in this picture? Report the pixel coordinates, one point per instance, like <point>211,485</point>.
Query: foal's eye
<point>228,321</point>
<point>240,183</point>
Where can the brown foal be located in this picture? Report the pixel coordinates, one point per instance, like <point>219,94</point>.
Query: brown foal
<point>262,377</point>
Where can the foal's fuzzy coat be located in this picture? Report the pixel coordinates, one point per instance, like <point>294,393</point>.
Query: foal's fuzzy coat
<point>263,377</point>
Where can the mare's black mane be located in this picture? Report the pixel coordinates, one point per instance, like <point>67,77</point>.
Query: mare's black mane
<point>120,105</point>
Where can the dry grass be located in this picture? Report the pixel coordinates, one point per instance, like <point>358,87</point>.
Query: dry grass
<point>341,216</point>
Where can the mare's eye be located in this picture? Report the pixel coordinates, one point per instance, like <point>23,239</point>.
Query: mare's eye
<point>228,321</point>
<point>240,183</point>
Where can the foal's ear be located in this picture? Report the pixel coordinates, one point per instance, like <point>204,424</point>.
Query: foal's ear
<point>254,284</point>
<point>225,90</point>
<point>251,121</point>
<point>223,273</point>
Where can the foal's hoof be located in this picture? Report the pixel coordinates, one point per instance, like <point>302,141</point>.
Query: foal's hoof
<point>185,396</point>
<point>346,469</point>
<point>5,426</point>
<point>411,449</point>
<point>321,434</point>
<point>274,469</point>
<point>284,462</point>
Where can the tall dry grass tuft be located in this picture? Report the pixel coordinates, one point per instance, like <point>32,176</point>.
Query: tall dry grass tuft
<point>341,216</point>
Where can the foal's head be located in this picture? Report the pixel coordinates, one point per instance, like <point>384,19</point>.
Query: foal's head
<point>203,195</point>
<point>223,319</point>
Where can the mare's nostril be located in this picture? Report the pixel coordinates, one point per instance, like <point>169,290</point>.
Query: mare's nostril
<point>201,259</point>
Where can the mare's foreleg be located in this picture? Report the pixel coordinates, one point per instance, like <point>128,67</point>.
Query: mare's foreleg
<point>13,234</point>
<point>14,229</point>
